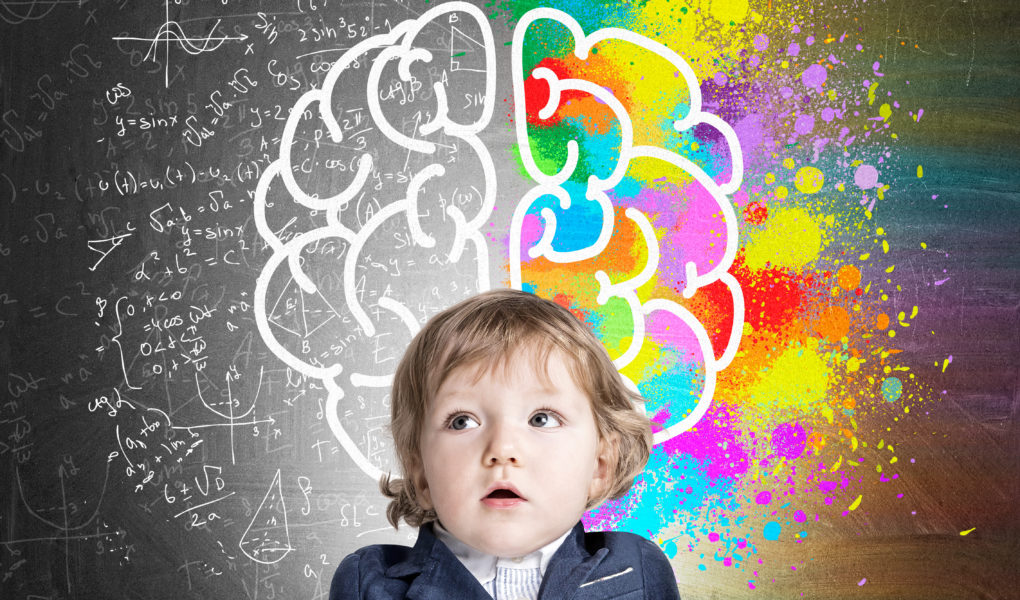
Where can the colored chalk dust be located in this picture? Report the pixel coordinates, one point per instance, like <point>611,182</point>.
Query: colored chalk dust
<point>772,531</point>
<point>892,389</point>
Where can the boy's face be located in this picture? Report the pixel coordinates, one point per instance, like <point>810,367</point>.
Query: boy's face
<point>509,461</point>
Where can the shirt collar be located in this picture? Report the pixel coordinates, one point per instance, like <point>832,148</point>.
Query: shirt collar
<point>483,566</point>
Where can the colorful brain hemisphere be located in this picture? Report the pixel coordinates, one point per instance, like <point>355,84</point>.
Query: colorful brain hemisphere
<point>625,224</point>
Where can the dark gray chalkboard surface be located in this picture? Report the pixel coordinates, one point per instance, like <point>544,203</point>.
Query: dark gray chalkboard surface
<point>221,221</point>
<point>182,416</point>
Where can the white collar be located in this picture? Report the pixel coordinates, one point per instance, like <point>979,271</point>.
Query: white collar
<point>483,566</point>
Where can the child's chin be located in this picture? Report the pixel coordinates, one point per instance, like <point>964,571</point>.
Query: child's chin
<point>507,546</point>
<point>512,542</point>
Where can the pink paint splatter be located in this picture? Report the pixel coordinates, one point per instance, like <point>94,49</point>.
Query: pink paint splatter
<point>866,177</point>
<point>789,440</point>
<point>804,124</point>
<point>814,76</point>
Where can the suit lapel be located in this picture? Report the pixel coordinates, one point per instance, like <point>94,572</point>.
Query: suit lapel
<point>571,566</point>
<point>439,574</point>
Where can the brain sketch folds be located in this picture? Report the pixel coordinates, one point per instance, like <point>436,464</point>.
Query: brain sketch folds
<point>697,275</point>
<point>442,152</point>
<point>407,171</point>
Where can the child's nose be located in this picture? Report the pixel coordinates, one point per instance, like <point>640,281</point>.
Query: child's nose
<point>502,448</point>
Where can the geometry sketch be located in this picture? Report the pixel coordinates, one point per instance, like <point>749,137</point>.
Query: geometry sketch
<point>268,534</point>
<point>701,268</point>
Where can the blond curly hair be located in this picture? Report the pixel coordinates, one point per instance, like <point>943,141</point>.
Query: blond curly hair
<point>486,331</point>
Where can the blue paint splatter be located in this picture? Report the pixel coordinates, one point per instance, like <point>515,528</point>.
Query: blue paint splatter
<point>892,389</point>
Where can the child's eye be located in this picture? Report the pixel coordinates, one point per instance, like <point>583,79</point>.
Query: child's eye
<point>544,419</point>
<point>459,422</point>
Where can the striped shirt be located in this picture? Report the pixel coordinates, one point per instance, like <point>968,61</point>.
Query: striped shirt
<point>503,578</point>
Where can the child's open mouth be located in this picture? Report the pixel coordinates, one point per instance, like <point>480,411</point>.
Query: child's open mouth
<point>502,498</point>
<point>502,494</point>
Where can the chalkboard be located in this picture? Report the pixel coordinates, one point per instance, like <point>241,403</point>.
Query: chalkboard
<point>166,429</point>
<point>793,225</point>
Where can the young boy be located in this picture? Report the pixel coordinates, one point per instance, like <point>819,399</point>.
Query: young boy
<point>510,421</point>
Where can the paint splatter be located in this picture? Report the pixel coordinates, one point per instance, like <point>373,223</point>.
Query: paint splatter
<point>821,129</point>
<point>892,389</point>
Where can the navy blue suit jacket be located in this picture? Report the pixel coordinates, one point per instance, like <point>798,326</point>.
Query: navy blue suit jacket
<point>587,566</point>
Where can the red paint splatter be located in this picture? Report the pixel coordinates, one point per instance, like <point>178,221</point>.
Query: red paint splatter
<point>774,297</point>
<point>567,302</point>
<point>536,93</point>
<point>755,213</point>
<point>713,306</point>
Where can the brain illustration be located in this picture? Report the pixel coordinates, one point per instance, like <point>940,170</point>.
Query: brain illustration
<point>377,178</point>
<point>374,207</point>
<point>622,168</point>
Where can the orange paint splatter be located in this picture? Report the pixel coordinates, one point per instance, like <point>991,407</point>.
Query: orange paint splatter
<point>833,324</point>
<point>849,277</point>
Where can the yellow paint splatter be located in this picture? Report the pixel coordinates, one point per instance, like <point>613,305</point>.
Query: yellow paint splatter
<point>871,93</point>
<point>885,111</point>
<point>727,11</point>
<point>966,531</point>
<point>920,171</point>
<point>809,180</point>
<point>855,503</point>
<point>797,381</point>
<point>792,240</point>
<point>646,364</point>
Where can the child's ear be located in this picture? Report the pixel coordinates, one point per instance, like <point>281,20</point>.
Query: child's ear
<point>605,466</point>
<point>421,486</point>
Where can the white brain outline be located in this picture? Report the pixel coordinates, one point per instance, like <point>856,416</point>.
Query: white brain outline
<point>396,46</point>
<point>552,185</point>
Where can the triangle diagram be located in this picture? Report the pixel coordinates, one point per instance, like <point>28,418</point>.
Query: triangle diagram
<point>267,538</point>
<point>300,314</point>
